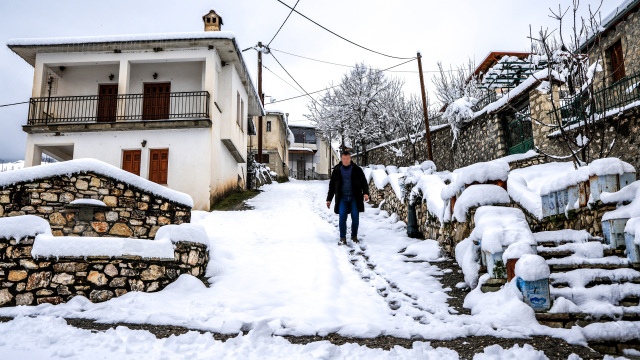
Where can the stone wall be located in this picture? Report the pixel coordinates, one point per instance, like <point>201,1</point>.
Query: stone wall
<point>130,212</point>
<point>28,281</point>
<point>482,139</point>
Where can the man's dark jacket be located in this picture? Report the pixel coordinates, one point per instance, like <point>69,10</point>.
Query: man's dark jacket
<point>358,184</point>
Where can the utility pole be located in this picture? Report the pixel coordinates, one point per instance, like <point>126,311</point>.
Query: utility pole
<point>261,95</point>
<point>424,108</point>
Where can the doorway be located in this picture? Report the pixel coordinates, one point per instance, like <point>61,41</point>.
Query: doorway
<point>107,102</point>
<point>156,101</point>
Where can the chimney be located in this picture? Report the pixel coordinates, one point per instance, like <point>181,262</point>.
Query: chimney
<point>212,22</point>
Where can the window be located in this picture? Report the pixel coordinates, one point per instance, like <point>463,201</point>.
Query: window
<point>131,161</point>
<point>268,125</point>
<point>158,165</point>
<point>265,158</point>
<point>238,109</point>
<point>304,135</point>
<point>242,120</point>
<point>617,61</point>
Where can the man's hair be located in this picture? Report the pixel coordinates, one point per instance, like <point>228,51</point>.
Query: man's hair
<point>346,152</point>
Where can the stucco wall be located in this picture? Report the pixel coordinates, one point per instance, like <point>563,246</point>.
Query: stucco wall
<point>189,154</point>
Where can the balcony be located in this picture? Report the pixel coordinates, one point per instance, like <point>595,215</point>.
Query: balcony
<point>117,110</point>
<point>624,93</point>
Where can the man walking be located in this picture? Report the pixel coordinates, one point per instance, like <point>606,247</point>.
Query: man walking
<point>349,185</point>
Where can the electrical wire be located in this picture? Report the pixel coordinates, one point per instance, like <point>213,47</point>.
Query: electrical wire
<point>342,37</point>
<point>283,80</point>
<point>334,86</point>
<point>353,67</point>
<point>294,80</point>
<point>18,103</point>
<point>285,20</point>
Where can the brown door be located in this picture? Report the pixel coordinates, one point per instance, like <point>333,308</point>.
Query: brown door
<point>107,102</point>
<point>156,101</point>
<point>301,164</point>
<point>159,165</point>
<point>131,161</point>
<point>617,61</point>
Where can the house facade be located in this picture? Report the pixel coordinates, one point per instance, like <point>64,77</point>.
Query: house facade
<point>275,142</point>
<point>173,108</point>
<point>311,157</point>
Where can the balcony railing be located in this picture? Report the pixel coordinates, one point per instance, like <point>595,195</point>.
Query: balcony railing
<point>617,96</point>
<point>126,107</point>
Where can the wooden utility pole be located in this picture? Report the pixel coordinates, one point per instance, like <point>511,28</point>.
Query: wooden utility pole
<point>424,108</point>
<point>260,118</point>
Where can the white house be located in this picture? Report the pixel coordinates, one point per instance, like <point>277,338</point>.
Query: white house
<point>311,157</point>
<point>173,108</point>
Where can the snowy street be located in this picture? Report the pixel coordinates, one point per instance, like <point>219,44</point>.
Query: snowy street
<point>278,270</point>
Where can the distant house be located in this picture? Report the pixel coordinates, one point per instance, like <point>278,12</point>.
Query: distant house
<point>311,157</point>
<point>173,108</point>
<point>275,143</point>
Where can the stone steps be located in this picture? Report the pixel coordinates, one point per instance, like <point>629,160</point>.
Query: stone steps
<point>550,253</point>
<point>567,320</point>
<point>569,267</point>
<point>597,281</point>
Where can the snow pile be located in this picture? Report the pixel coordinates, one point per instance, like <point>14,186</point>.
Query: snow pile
<point>519,157</point>
<point>498,227</point>
<point>429,167</point>
<point>83,166</point>
<point>426,250</point>
<point>90,202</point>
<point>633,228</point>
<point>391,169</point>
<point>525,185</point>
<point>395,180</point>
<point>532,267</point>
<point>460,112</point>
<point>468,257</point>
<point>367,174</point>
<point>183,233</point>
<point>526,352</point>
<point>380,178</point>
<point>628,193</point>
<point>478,195</point>
<point>610,166</point>
<point>20,227</point>
<point>566,235</point>
<point>47,246</point>
<point>477,173</point>
<point>430,187</point>
<point>568,179</point>
<point>517,250</point>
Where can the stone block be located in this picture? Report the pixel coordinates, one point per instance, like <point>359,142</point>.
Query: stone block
<point>70,267</point>
<point>111,270</point>
<point>110,201</point>
<point>121,229</point>
<point>47,196</point>
<point>24,299</point>
<point>38,280</point>
<point>55,300</point>
<point>154,272</point>
<point>57,219</point>
<point>17,275</point>
<point>95,182</point>
<point>44,292</point>
<point>63,278</point>
<point>97,278</point>
<point>100,295</point>
<point>100,226</point>
<point>5,296</point>
<point>82,185</point>
<point>118,282</point>
<point>66,198</point>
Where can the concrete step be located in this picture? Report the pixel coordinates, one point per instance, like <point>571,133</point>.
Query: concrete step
<point>569,267</point>
<point>550,253</point>
<point>567,320</point>
<point>605,280</point>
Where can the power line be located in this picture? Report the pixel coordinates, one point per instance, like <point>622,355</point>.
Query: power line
<point>331,87</point>
<point>294,80</point>
<point>353,67</point>
<point>18,103</point>
<point>285,20</point>
<point>283,80</point>
<point>342,37</point>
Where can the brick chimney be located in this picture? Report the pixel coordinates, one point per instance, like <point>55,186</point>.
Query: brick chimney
<point>212,21</point>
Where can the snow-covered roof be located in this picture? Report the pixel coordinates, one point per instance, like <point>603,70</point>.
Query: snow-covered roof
<point>94,166</point>
<point>300,149</point>
<point>121,38</point>
<point>301,125</point>
<point>613,18</point>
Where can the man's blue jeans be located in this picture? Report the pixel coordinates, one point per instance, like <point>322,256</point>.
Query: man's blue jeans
<point>348,206</point>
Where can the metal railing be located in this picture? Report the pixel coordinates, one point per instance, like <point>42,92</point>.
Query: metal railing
<point>491,97</point>
<point>111,108</point>
<point>617,96</point>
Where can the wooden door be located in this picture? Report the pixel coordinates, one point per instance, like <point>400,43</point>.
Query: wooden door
<point>158,165</point>
<point>156,101</point>
<point>107,102</point>
<point>301,165</point>
<point>131,161</point>
<point>617,61</point>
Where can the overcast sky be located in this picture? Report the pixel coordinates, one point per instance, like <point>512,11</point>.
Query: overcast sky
<point>449,31</point>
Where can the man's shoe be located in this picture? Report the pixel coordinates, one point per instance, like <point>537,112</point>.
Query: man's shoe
<point>343,241</point>
<point>355,239</point>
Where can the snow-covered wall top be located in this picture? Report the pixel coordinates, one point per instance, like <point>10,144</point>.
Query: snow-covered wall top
<point>74,246</point>
<point>628,193</point>
<point>477,173</point>
<point>430,187</point>
<point>478,195</point>
<point>91,165</point>
<point>20,227</point>
<point>121,38</point>
<point>183,232</point>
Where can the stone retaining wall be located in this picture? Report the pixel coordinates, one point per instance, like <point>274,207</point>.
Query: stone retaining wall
<point>130,212</point>
<point>28,281</point>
